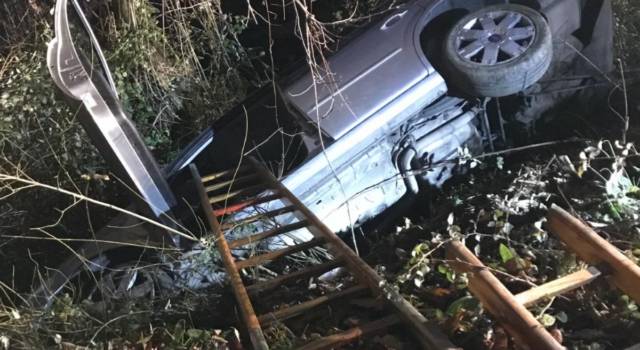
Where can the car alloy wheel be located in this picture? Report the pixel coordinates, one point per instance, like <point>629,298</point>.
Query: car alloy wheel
<point>495,37</point>
<point>497,51</point>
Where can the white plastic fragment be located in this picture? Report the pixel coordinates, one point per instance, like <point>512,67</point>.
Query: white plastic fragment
<point>4,342</point>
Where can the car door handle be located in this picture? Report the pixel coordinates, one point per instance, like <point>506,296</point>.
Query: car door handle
<point>391,21</point>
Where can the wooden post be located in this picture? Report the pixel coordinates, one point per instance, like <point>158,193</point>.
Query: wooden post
<point>496,298</point>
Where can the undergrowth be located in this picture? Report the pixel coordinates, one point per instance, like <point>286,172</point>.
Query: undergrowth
<point>500,216</point>
<point>178,68</point>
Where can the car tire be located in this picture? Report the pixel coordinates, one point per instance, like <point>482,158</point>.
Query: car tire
<point>498,51</point>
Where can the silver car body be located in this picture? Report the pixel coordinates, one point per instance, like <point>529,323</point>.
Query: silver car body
<point>374,85</point>
<point>377,84</point>
<point>381,116</point>
<point>358,86</point>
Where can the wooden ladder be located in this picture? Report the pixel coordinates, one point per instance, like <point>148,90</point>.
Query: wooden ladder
<point>510,310</point>
<point>259,186</point>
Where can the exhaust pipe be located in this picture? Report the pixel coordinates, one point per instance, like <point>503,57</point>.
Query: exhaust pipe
<point>445,140</point>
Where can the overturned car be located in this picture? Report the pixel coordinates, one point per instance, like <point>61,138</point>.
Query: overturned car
<point>391,111</point>
<point>387,115</point>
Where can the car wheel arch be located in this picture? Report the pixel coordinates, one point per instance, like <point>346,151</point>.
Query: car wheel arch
<point>431,35</point>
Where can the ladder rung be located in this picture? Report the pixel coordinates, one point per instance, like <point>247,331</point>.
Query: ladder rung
<point>234,193</point>
<point>236,207</point>
<point>267,234</point>
<point>351,335</point>
<point>558,286</point>
<point>242,297</point>
<point>230,183</point>
<point>223,173</point>
<point>273,283</point>
<point>259,216</point>
<point>427,337</point>
<point>292,311</point>
<point>276,254</point>
<point>595,250</point>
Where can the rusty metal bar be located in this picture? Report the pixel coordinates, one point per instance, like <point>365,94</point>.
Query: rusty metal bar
<point>496,298</point>
<point>230,183</point>
<point>267,234</point>
<point>259,216</point>
<point>293,311</point>
<point>236,207</point>
<point>234,193</point>
<point>558,286</point>
<point>273,283</point>
<point>349,336</point>
<point>595,250</point>
<point>246,308</point>
<point>429,338</point>
<point>241,170</point>
<point>276,254</point>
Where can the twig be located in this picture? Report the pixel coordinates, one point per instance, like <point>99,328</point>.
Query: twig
<point>80,197</point>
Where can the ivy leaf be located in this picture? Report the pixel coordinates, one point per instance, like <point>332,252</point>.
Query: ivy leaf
<point>506,253</point>
<point>464,303</point>
<point>448,272</point>
<point>547,320</point>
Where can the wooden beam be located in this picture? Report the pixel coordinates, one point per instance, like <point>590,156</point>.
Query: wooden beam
<point>595,250</point>
<point>496,298</point>
<point>558,286</point>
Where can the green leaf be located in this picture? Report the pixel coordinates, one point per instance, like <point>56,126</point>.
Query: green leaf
<point>465,303</point>
<point>547,320</point>
<point>505,253</point>
<point>419,249</point>
<point>448,272</point>
<point>179,331</point>
<point>451,276</point>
